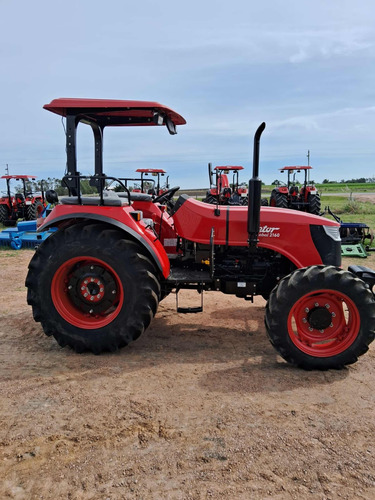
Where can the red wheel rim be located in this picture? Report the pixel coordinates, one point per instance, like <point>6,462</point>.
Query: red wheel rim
<point>87,292</point>
<point>323,323</point>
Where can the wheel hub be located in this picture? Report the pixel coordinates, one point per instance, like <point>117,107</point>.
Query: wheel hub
<point>92,289</point>
<point>319,318</point>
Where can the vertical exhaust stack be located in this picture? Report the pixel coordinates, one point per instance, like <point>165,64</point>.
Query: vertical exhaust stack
<point>255,187</point>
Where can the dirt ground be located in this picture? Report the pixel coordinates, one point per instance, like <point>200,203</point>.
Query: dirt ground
<point>200,407</point>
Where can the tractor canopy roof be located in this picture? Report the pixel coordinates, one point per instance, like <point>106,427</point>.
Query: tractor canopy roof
<point>113,112</point>
<point>151,170</point>
<point>298,168</point>
<point>228,168</point>
<point>18,177</point>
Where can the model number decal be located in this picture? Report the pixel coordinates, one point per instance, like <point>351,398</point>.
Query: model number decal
<point>269,232</point>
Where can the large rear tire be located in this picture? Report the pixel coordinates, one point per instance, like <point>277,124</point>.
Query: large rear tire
<point>321,317</point>
<point>35,210</point>
<point>91,288</point>
<point>4,213</point>
<point>278,199</point>
<point>212,200</point>
<point>314,204</point>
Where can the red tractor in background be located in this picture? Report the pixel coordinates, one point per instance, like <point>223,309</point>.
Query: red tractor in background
<point>96,282</point>
<point>157,189</point>
<point>222,192</point>
<point>23,205</point>
<point>305,198</point>
<point>144,184</point>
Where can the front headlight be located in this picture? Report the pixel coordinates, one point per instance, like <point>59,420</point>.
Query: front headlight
<point>333,232</point>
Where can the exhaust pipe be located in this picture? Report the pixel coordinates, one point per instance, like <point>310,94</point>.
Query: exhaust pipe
<point>255,188</point>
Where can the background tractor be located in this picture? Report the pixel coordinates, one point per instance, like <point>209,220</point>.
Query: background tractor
<point>294,196</point>
<point>96,282</point>
<point>222,191</point>
<point>157,173</point>
<point>22,205</point>
<point>145,184</point>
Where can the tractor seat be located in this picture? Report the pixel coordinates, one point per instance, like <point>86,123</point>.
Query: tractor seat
<point>135,196</point>
<point>108,201</point>
<point>19,197</point>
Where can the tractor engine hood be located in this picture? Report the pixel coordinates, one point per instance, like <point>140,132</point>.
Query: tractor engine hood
<point>288,232</point>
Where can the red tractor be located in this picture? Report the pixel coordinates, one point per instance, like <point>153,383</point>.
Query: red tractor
<point>305,198</point>
<point>144,184</point>
<point>25,205</point>
<point>154,172</point>
<point>222,192</point>
<point>96,282</point>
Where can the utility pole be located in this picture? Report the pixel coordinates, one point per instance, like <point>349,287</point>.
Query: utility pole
<point>7,169</point>
<point>308,164</point>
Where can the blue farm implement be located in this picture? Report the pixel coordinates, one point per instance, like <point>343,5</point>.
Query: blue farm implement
<point>24,235</point>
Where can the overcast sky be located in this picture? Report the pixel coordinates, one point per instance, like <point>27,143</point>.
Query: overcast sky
<point>306,68</point>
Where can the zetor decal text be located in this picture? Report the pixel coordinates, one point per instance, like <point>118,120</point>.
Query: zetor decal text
<point>269,232</point>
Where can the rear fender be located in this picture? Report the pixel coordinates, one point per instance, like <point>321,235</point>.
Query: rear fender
<point>121,219</point>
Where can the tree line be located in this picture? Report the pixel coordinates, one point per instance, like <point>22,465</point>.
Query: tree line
<point>360,180</point>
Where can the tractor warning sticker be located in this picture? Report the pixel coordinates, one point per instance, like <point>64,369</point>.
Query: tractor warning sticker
<point>269,232</point>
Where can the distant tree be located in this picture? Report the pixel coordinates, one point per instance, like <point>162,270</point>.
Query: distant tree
<point>325,181</point>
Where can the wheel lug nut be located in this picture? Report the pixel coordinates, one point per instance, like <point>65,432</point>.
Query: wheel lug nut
<point>316,304</point>
<point>331,325</point>
<point>307,310</point>
<point>304,320</point>
<point>328,306</point>
<point>91,311</point>
<point>113,292</point>
<point>321,331</point>
<point>333,315</point>
<point>310,329</point>
<point>70,287</point>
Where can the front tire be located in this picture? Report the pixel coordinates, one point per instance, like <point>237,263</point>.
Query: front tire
<point>321,317</point>
<point>92,289</point>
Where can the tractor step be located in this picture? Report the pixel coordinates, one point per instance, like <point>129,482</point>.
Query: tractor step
<point>189,310</point>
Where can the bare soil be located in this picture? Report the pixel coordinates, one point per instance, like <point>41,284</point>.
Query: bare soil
<point>199,407</point>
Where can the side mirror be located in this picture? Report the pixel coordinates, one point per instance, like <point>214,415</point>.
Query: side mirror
<point>210,175</point>
<point>170,126</point>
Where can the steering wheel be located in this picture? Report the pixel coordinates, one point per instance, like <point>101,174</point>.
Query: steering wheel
<point>167,196</point>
